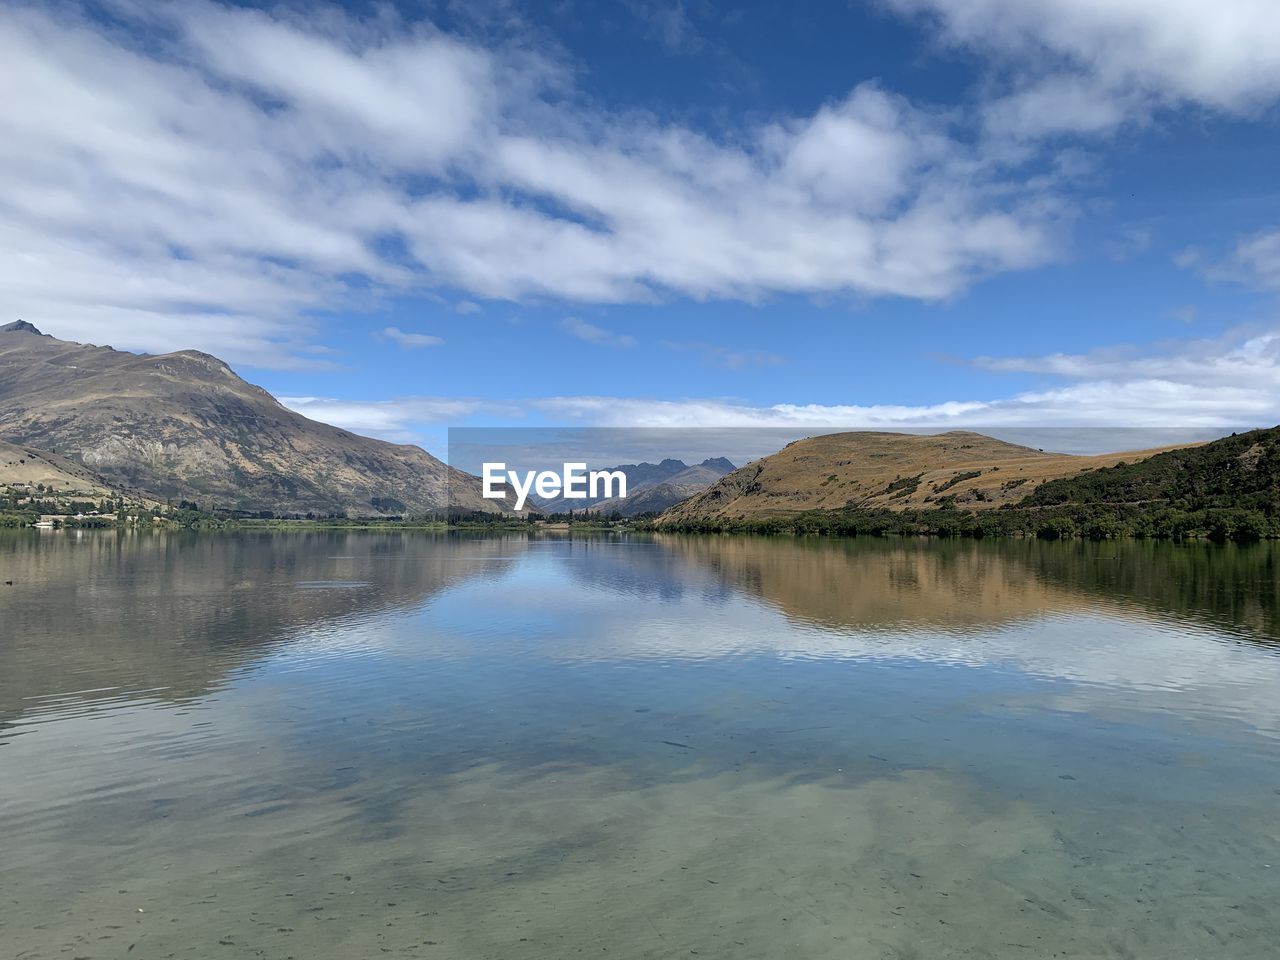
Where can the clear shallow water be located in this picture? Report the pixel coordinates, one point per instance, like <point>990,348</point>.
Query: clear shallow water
<point>359,745</point>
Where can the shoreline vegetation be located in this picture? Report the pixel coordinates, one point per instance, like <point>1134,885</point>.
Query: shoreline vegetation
<point>1171,524</point>
<point>1064,523</point>
<point>82,513</point>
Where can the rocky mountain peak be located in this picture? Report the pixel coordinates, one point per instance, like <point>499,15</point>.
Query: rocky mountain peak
<point>21,326</point>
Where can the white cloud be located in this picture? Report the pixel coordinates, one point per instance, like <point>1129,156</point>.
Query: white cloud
<point>1106,401</point>
<point>727,357</point>
<point>211,189</point>
<point>1254,262</point>
<point>1129,241</point>
<point>1224,55</point>
<point>466,308</point>
<point>862,153</point>
<point>1152,404</point>
<point>669,23</point>
<point>744,359</point>
<point>1058,104</point>
<point>1088,67</point>
<point>590,333</point>
<point>415,103</point>
<point>395,420</point>
<point>411,340</point>
<point>250,164</point>
<point>1194,385</point>
<point>1251,359</point>
<point>1257,257</point>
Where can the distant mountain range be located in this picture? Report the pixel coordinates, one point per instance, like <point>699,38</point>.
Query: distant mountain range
<point>184,426</point>
<point>651,488</point>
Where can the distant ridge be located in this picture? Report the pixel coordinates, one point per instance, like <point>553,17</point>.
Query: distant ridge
<point>183,425</point>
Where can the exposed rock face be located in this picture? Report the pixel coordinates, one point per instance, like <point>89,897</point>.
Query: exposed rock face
<point>184,426</point>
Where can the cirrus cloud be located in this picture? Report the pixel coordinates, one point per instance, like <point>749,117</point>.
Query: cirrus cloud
<point>1177,391</point>
<point>189,160</point>
<point>1255,261</point>
<point>411,341</point>
<point>1223,55</point>
<point>591,333</point>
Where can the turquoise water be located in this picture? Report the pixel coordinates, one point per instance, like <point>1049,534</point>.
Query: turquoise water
<point>361,745</point>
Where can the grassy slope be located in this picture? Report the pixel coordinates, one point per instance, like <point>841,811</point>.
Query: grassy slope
<point>893,471</point>
<point>26,465</point>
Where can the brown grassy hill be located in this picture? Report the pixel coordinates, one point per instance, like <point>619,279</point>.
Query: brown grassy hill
<point>884,470</point>
<point>27,466</point>
<point>184,426</point>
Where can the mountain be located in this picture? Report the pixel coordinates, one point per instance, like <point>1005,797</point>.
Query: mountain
<point>651,487</point>
<point>656,497</point>
<point>184,426</point>
<point>867,470</point>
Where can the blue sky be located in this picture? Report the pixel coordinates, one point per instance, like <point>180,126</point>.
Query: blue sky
<point>898,213</point>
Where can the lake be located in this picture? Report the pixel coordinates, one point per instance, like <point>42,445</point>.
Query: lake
<point>349,745</point>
